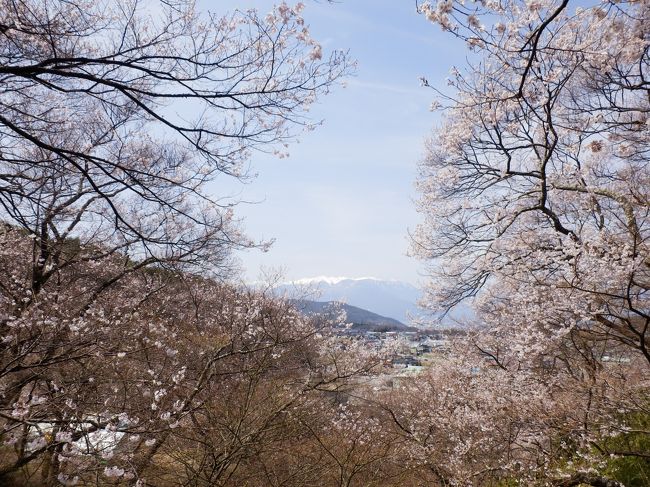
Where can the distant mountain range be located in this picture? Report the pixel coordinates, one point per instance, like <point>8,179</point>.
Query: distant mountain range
<point>393,299</point>
<point>385,298</point>
<point>361,319</point>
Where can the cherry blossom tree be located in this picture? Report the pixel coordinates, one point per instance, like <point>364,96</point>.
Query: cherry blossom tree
<point>536,186</point>
<point>542,419</point>
<point>117,358</point>
<point>115,116</point>
<point>536,207</point>
<point>164,377</point>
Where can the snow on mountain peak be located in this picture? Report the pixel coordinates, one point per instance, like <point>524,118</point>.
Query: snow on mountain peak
<point>391,298</point>
<point>330,280</point>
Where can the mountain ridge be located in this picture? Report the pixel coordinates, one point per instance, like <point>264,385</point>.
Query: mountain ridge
<point>389,298</point>
<point>360,319</point>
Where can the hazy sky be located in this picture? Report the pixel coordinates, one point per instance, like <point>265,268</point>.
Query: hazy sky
<point>342,203</point>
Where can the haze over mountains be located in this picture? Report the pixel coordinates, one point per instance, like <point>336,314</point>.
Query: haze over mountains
<point>394,299</point>
<point>388,298</point>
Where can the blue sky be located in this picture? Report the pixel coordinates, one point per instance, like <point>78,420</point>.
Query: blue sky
<point>342,203</point>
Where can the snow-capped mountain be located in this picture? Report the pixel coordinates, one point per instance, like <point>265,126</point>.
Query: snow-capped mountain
<point>395,299</point>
